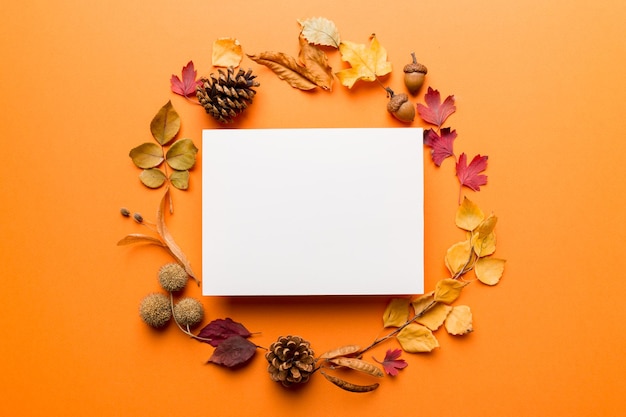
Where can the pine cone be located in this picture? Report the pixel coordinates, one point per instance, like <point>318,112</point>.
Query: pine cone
<point>228,94</point>
<point>291,360</point>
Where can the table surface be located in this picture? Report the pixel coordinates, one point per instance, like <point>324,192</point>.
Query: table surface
<point>539,88</point>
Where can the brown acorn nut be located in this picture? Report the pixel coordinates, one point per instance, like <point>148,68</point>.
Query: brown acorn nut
<point>400,106</point>
<point>414,75</point>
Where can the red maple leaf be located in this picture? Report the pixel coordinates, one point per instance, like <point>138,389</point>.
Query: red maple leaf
<point>435,112</point>
<point>392,362</point>
<point>187,86</point>
<point>441,146</point>
<point>469,175</point>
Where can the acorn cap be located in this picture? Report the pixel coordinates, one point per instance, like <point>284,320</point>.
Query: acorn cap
<point>415,67</point>
<point>396,101</point>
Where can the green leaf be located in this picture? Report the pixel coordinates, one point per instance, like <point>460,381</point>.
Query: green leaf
<point>147,155</point>
<point>152,178</point>
<point>165,124</point>
<point>180,179</point>
<point>182,155</point>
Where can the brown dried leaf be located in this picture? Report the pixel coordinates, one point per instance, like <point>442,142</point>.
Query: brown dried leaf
<point>489,270</point>
<point>165,124</point>
<point>435,316</point>
<point>152,178</point>
<point>459,321</point>
<point>396,313</point>
<point>359,365</point>
<point>227,52</point>
<point>448,290</point>
<point>348,386</point>
<point>416,338</point>
<point>316,63</point>
<point>340,351</point>
<point>320,31</point>
<point>139,238</point>
<point>147,155</point>
<point>287,69</point>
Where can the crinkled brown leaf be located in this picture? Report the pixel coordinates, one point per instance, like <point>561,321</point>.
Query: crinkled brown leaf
<point>489,270</point>
<point>320,31</point>
<point>469,215</point>
<point>234,351</point>
<point>286,68</point>
<point>139,238</point>
<point>165,124</point>
<point>316,63</point>
<point>147,155</point>
<point>435,316</point>
<point>458,257</point>
<point>152,178</point>
<point>448,290</point>
<point>416,338</point>
<point>182,154</point>
<point>217,331</point>
<point>396,313</point>
<point>459,321</point>
<point>227,52</point>
<point>180,179</point>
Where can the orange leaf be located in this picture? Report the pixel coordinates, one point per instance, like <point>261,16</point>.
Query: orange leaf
<point>315,62</point>
<point>287,69</point>
<point>227,52</point>
<point>367,62</point>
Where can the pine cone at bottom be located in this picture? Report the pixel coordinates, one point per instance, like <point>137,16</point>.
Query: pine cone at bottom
<point>291,360</point>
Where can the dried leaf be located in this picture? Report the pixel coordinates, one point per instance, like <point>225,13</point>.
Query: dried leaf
<point>316,63</point>
<point>180,179</point>
<point>435,112</point>
<point>165,124</point>
<point>458,257</point>
<point>367,62</point>
<point>469,175</point>
<point>340,351</point>
<point>152,178</point>
<point>287,69</point>
<point>392,362</point>
<point>221,329</point>
<point>459,321</point>
<point>234,351</point>
<point>182,154</point>
<point>320,31</point>
<point>187,86</point>
<point>423,303</point>
<point>147,155</point>
<point>416,338</point>
<point>484,238</point>
<point>227,52</point>
<point>139,238</point>
<point>447,290</point>
<point>469,215</point>
<point>358,365</point>
<point>434,317</point>
<point>348,386</point>
<point>441,147</point>
<point>396,313</point>
<point>489,270</point>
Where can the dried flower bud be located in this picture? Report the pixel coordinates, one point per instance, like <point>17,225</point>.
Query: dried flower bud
<point>188,312</point>
<point>155,310</point>
<point>125,212</point>
<point>138,217</point>
<point>173,277</point>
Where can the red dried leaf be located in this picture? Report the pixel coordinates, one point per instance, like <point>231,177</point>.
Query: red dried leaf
<point>392,362</point>
<point>469,175</point>
<point>435,112</point>
<point>219,330</point>
<point>186,87</point>
<point>234,351</point>
<point>441,146</point>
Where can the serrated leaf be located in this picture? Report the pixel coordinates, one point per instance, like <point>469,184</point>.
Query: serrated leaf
<point>152,178</point>
<point>180,179</point>
<point>392,362</point>
<point>286,68</point>
<point>320,31</point>
<point>448,290</point>
<point>435,316</point>
<point>458,257</point>
<point>182,154</point>
<point>435,112</point>
<point>234,351</point>
<point>147,155</point>
<point>469,215</point>
<point>396,313</point>
<point>165,124</point>
<point>368,62</point>
<point>187,86</point>
<point>226,52</point>
<point>416,338</point>
<point>489,270</point>
<point>459,321</point>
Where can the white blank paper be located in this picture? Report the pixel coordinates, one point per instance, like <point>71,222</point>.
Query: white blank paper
<point>312,211</point>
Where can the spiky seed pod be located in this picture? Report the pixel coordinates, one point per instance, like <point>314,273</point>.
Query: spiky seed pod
<point>227,94</point>
<point>291,360</point>
<point>188,312</point>
<point>155,310</point>
<point>173,277</point>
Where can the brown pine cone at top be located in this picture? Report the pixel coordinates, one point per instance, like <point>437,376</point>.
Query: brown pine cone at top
<point>227,94</point>
<point>291,360</point>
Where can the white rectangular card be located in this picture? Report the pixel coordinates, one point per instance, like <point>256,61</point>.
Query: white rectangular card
<point>312,211</point>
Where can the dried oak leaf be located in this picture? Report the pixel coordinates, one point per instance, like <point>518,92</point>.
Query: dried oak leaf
<point>468,215</point>
<point>392,362</point>
<point>435,112</point>
<point>396,313</point>
<point>227,52</point>
<point>186,86</point>
<point>232,352</point>
<point>470,175</point>
<point>368,62</point>
<point>165,124</point>
<point>441,146</point>
<point>416,338</point>
<point>286,68</point>
<point>489,270</point>
<point>320,31</point>
<point>219,330</point>
<point>459,321</point>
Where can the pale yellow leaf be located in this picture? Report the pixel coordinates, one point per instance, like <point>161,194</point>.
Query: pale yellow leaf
<point>417,338</point>
<point>458,257</point>
<point>447,290</point>
<point>484,246</point>
<point>227,52</point>
<point>396,313</point>
<point>358,365</point>
<point>489,270</point>
<point>180,179</point>
<point>469,215</point>
<point>367,62</point>
<point>423,302</point>
<point>459,321</point>
<point>320,31</point>
<point>435,316</point>
<point>152,178</point>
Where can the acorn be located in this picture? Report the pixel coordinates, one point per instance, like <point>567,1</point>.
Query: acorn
<point>400,106</point>
<point>414,75</point>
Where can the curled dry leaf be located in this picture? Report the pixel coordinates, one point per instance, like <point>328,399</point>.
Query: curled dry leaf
<point>340,351</point>
<point>434,317</point>
<point>416,338</point>
<point>469,215</point>
<point>315,62</point>
<point>139,238</point>
<point>227,52</point>
<point>286,68</point>
<point>320,31</point>
<point>448,290</point>
<point>348,386</point>
<point>367,62</point>
<point>358,365</point>
<point>152,178</point>
<point>396,313</point>
<point>458,257</point>
<point>165,124</point>
<point>459,321</point>
<point>489,270</point>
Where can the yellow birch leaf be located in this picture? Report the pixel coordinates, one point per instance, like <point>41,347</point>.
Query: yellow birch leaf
<point>396,313</point>
<point>469,215</point>
<point>458,256</point>
<point>316,63</point>
<point>459,321</point>
<point>435,316</point>
<point>416,338</point>
<point>227,52</point>
<point>489,270</point>
<point>367,62</point>
<point>320,31</point>
<point>448,290</point>
<point>484,246</point>
<point>423,302</point>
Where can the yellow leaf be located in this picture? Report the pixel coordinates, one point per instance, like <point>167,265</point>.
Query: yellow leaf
<point>320,31</point>
<point>458,256</point>
<point>227,52</point>
<point>287,69</point>
<point>396,313</point>
<point>152,178</point>
<point>469,215</point>
<point>459,321</point>
<point>182,154</point>
<point>180,179</point>
<point>417,338</point>
<point>165,124</point>
<point>489,270</point>
<point>315,62</point>
<point>147,155</point>
<point>484,239</point>
<point>367,62</point>
<point>423,302</point>
<point>448,290</point>
<point>435,317</point>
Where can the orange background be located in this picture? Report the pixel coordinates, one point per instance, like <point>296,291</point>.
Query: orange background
<point>540,88</point>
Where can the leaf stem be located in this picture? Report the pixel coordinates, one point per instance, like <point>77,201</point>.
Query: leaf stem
<point>188,331</point>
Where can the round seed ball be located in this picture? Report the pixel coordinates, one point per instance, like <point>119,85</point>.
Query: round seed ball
<point>173,277</point>
<point>188,312</point>
<point>155,310</point>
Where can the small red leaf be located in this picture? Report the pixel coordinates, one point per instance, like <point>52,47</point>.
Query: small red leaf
<point>392,362</point>
<point>219,330</point>
<point>234,351</point>
<point>441,146</point>
<point>469,175</point>
<point>186,87</point>
<point>435,112</point>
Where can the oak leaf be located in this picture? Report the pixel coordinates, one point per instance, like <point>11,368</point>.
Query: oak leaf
<point>448,290</point>
<point>232,352</point>
<point>416,338</point>
<point>470,175</point>
<point>458,257</point>
<point>226,52</point>
<point>489,270</point>
<point>435,112</point>
<point>320,31</point>
<point>165,124</point>
<point>187,86</point>
<point>459,321</point>
<point>392,362</point>
<point>368,62</point>
<point>286,68</point>
<point>396,313</point>
<point>219,330</point>
<point>435,316</point>
<point>441,146</point>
